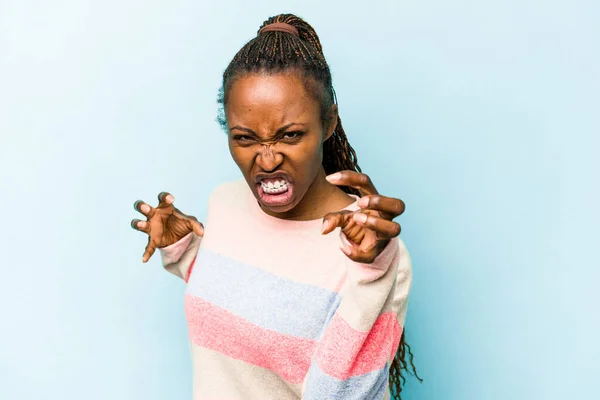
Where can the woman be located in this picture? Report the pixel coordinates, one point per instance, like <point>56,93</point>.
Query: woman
<point>275,310</point>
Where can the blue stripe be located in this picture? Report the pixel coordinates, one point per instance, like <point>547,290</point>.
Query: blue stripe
<point>263,299</point>
<point>371,386</point>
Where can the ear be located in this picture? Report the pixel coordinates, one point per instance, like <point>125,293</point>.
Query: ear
<point>332,122</point>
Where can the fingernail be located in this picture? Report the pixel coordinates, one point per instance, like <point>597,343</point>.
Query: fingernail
<point>333,177</point>
<point>324,226</point>
<point>170,199</point>
<point>145,208</point>
<point>363,202</point>
<point>360,217</point>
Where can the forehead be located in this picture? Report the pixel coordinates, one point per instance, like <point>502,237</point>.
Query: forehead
<point>264,101</point>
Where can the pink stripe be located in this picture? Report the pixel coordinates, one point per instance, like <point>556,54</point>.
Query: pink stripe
<point>190,269</point>
<point>345,352</point>
<point>220,330</point>
<point>396,335</point>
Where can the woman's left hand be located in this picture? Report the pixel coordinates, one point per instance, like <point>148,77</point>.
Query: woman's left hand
<point>369,229</point>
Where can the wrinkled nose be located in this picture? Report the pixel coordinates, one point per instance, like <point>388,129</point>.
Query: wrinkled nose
<point>268,159</point>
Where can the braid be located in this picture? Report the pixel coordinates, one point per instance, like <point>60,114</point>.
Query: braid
<point>280,52</point>
<point>400,364</point>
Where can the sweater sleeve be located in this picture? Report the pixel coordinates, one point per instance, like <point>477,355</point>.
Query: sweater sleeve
<point>179,258</point>
<point>353,356</point>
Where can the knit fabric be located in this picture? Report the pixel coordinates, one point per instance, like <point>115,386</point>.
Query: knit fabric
<point>275,310</point>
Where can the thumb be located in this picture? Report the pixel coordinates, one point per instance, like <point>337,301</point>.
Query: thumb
<point>335,220</point>
<point>150,249</point>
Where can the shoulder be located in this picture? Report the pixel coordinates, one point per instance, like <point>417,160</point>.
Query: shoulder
<point>404,262</point>
<point>396,256</point>
<point>403,252</point>
<point>229,194</point>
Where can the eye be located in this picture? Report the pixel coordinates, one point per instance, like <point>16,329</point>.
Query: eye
<point>242,138</point>
<point>292,135</point>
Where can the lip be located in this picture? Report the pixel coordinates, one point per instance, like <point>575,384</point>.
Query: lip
<point>279,174</point>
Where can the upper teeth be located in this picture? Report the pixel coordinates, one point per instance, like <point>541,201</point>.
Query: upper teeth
<point>275,184</point>
<point>278,184</point>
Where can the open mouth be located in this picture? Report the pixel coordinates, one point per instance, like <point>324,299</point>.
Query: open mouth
<point>275,191</point>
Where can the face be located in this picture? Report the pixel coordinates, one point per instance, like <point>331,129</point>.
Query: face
<point>276,138</point>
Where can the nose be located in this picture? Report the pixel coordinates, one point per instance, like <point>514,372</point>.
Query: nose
<point>268,159</point>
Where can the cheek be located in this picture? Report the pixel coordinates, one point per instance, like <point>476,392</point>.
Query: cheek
<point>240,155</point>
<point>310,157</point>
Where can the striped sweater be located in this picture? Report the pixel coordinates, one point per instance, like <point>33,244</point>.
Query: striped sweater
<point>275,310</point>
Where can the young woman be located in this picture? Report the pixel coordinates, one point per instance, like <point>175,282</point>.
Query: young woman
<point>297,286</point>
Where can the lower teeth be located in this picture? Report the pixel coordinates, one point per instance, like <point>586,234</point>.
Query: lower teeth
<point>274,190</point>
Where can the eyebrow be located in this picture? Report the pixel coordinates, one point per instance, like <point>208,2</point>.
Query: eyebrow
<point>279,131</point>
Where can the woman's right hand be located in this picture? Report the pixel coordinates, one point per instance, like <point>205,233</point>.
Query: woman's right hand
<point>164,224</point>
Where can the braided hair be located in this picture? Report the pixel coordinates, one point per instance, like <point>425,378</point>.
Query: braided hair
<point>275,52</point>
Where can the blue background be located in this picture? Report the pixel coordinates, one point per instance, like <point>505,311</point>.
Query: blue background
<point>482,116</point>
